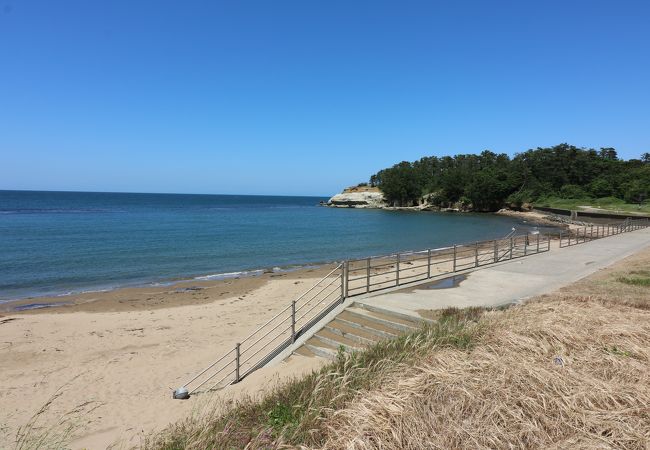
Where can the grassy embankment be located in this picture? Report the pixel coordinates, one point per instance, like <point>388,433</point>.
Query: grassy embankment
<point>568,370</point>
<point>608,204</point>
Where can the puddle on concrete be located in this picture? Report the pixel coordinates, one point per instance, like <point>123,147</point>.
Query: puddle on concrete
<point>446,283</point>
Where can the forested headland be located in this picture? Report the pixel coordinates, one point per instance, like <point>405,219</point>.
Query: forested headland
<point>490,181</point>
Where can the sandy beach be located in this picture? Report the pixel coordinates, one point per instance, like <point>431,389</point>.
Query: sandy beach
<point>105,364</point>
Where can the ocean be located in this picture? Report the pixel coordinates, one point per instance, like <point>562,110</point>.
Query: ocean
<point>58,243</point>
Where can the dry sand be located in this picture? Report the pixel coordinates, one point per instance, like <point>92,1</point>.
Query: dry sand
<point>112,357</point>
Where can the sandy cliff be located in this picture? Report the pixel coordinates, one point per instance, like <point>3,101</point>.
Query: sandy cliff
<point>358,197</point>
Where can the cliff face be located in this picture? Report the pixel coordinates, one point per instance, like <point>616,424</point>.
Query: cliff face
<point>358,197</point>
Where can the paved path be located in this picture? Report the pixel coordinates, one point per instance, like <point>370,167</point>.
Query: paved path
<point>518,279</point>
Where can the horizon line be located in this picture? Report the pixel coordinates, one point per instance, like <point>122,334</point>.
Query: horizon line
<point>157,193</point>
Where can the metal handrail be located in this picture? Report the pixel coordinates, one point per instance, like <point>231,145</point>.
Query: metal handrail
<point>264,346</point>
<point>319,282</point>
<point>317,293</point>
<point>265,324</point>
<point>261,328</point>
<point>580,235</point>
<point>464,256</point>
<point>312,308</point>
<point>209,367</point>
<point>262,337</point>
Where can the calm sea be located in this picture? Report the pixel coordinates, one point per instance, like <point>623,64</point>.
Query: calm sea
<point>54,243</point>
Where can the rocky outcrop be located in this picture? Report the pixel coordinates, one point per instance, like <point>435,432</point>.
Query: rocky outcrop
<point>358,197</point>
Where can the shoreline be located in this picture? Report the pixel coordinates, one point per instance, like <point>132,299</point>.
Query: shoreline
<point>241,281</point>
<point>49,298</point>
<point>168,295</point>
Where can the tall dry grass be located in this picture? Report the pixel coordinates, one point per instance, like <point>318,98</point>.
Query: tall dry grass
<point>566,371</point>
<point>38,434</point>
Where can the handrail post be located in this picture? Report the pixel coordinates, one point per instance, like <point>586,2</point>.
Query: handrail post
<point>342,281</point>
<point>237,362</point>
<point>496,251</point>
<point>429,263</point>
<point>293,321</point>
<point>367,275</point>
<point>526,245</point>
<point>397,269</point>
<point>510,248</point>
<point>476,255</point>
<point>454,269</point>
<point>346,270</point>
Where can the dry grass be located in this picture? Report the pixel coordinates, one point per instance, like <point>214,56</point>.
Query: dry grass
<point>566,371</point>
<point>33,435</point>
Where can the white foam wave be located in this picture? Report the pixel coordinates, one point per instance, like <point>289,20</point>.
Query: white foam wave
<point>222,276</point>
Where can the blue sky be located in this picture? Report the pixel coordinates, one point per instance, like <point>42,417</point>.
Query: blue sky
<point>306,97</point>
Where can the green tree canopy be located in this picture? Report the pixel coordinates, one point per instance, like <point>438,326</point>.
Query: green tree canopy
<point>490,180</point>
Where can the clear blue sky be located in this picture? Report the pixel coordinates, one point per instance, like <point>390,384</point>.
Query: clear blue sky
<point>306,97</point>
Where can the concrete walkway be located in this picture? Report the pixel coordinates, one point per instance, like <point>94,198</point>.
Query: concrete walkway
<point>515,280</point>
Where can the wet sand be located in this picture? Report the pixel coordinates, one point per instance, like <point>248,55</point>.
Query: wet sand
<point>182,293</point>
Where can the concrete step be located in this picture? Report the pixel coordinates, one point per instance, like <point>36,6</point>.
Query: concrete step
<point>304,351</point>
<point>368,326</point>
<point>406,318</point>
<point>320,349</point>
<point>393,322</point>
<point>354,334</point>
<point>335,340</point>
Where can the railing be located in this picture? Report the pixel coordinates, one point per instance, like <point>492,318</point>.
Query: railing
<point>382,272</point>
<point>360,276</point>
<point>589,233</point>
<point>271,338</point>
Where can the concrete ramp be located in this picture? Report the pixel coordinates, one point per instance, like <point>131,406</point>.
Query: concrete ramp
<point>386,315</point>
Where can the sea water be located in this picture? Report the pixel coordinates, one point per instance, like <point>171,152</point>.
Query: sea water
<point>56,243</point>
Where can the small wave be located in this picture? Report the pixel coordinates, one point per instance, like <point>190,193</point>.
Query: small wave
<point>64,294</point>
<point>162,283</point>
<point>222,276</point>
<point>95,291</point>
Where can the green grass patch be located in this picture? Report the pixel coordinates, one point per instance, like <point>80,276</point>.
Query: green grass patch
<point>635,280</point>
<point>292,412</point>
<point>610,204</point>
